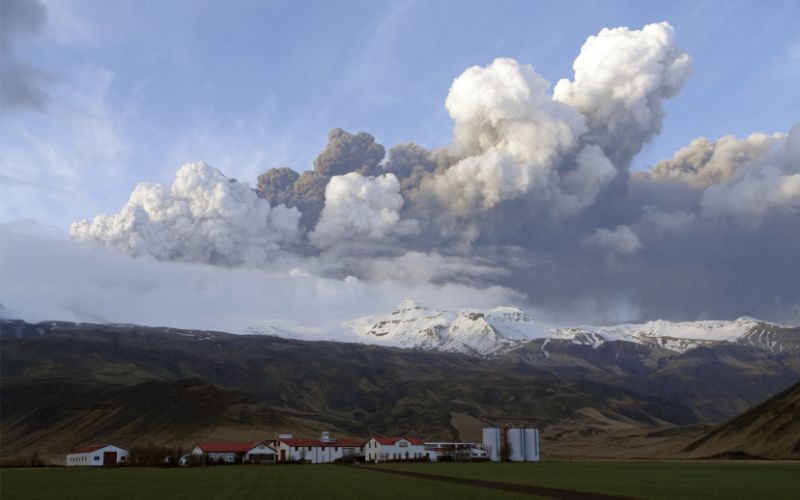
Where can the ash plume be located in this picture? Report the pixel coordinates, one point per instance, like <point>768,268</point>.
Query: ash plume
<point>534,194</point>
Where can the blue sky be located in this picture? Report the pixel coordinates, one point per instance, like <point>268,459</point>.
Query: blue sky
<point>137,88</point>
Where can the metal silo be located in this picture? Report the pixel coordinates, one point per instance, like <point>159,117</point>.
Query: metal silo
<point>531,444</point>
<point>516,445</point>
<point>491,443</point>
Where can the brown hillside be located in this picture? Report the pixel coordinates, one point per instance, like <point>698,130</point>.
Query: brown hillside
<point>769,430</point>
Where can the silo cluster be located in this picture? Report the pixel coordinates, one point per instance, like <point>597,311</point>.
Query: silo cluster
<point>512,443</point>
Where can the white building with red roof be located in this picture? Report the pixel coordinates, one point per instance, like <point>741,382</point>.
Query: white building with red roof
<point>381,449</point>
<point>317,451</point>
<point>231,453</point>
<point>97,455</point>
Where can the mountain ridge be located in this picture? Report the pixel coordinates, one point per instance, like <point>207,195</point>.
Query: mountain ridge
<point>494,331</point>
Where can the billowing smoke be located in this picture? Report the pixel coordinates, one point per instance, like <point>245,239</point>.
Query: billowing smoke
<point>514,139</point>
<point>533,195</point>
<point>359,207</point>
<point>202,217</point>
<point>703,163</point>
<point>621,78</point>
<point>344,153</point>
<point>768,185</point>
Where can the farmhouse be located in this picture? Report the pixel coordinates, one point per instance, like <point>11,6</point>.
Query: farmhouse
<point>231,453</point>
<point>317,451</point>
<point>394,448</point>
<point>97,455</point>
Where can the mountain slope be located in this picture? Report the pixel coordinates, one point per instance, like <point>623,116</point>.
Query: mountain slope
<point>770,430</point>
<point>74,383</point>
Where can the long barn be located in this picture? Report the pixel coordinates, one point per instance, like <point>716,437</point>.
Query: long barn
<point>97,455</point>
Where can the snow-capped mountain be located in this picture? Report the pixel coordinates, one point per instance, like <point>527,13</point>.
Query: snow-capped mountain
<point>492,331</point>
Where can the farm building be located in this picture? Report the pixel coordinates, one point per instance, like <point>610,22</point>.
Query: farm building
<point>317,451</point>
<point>511,443</point>
<point>97,455</point>
<point>231,453</point>
<point>453,451</point>
<point>394,448</point>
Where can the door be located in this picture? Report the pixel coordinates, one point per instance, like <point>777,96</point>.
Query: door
<point>109,459</point>
<point>283,455</point>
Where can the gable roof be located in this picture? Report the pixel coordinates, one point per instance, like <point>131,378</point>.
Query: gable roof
<point>90,448</point>
<point>222,447</point>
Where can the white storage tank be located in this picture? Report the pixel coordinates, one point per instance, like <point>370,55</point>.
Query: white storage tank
<point>491,443</point>
<point>516,445</point>
<point>531,444</point>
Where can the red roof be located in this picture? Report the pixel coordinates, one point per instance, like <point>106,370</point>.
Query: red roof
<point>220,447</point>
<point>90,448</point>
<point>301,442</point>
<point>392,440</point>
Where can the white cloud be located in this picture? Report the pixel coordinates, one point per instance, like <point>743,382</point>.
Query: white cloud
<point>621,78</point>
<point>202,217</point>
<point>359,207</point>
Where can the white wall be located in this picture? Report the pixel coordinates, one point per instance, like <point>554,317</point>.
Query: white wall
<point>400,450</point>
<point>316,454</point>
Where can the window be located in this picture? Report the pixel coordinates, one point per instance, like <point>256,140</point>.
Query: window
<point>309,448</point>
<point>335,448</point>
<point>403,444</point>
<point>97,458</point>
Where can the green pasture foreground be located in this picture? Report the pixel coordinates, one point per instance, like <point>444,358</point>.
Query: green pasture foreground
<point>295,482</point>
<point>652,480</point>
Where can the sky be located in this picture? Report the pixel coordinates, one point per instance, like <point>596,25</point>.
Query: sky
<point>101,96</point>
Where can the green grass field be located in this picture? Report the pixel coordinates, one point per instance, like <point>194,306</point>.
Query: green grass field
<point>656,480</point>
<point>296,482</point>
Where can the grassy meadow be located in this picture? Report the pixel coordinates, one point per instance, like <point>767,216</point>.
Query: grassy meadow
<point>295,482</point>
<point>654,480</point>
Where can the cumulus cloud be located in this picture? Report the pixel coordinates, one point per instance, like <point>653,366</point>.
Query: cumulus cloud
<point>621,78</point>
<point>505,107</point>
<point>359,207</point>
<point>510,134</point>
<point>202,217</point>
